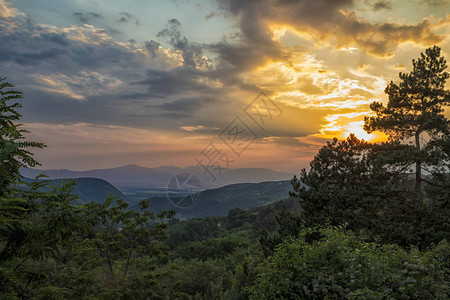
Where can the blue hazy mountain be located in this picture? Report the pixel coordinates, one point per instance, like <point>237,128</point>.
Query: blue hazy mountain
<point>132,176</point>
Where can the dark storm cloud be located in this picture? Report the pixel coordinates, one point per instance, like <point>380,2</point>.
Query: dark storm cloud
<point>57,38</point>
<point>128,18</point>
<point>196,75</point>
<point>323,20</point>
<point>163,83</point>
<point>187,105</point>
<point>29,56</point>
<point>33,45</point>
<point>255,45</point>
<point>77,79</point>
<point>86,17</point>
<point>152,47</point>
<point>192,52</point>
<point>80,62</point>
<point>109,109</point>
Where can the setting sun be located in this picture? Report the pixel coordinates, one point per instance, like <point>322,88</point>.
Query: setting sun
<point>357,129</point>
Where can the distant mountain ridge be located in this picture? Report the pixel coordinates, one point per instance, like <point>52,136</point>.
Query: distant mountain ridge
<point>133,176</point>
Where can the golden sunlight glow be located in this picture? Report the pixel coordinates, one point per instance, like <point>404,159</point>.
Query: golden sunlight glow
<point>357,129</point>
<point>299,81</point>
<point>342,125</point>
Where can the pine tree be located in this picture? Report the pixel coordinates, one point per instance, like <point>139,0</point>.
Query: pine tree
<point>415,111</point>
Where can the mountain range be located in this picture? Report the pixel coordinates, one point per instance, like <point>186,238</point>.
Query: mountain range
<point>210,202</point>
<point>236,188</point>
<point>132,176</point>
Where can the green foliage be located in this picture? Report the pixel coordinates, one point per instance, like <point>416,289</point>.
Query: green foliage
<point>41,227</point>
<point>340,265</point>
<point>13,156</point>
<point>289,225</point>
<point>344,177</point>
<point>416,109</point>
<point>189,279</point>
<point>53,248</point>
<point>13,148</point>
<point>121,235</point>
<point>66,251</point>
<point>367,188</point>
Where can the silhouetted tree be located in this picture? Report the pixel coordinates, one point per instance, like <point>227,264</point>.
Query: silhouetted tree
<point>416,110</point>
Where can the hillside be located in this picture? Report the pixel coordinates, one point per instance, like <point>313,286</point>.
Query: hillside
<point>217,202</point>
<point>211,202</point>
<point>91,189</point>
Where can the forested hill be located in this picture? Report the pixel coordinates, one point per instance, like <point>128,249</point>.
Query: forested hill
<point>216,202</point>
<point>89,189</point>
<point>212,202</point>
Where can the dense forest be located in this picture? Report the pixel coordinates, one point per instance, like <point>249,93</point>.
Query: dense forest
<point>365,221</point>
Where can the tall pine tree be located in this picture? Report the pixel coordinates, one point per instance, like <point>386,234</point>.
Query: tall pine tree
<point>415,111</point>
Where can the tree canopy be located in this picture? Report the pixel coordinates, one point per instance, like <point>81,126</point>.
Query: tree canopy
<point>415,109</point>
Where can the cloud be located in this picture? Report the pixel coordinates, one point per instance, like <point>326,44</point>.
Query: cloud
<point>80,74</point>
<point>382,39</point>
<point>179,80</point>
<point>127,18</point>
<point>79,86</point>
<point>124,145</point>
<point>86,17</point>
<point>254,45</point>
<point>210,15</point>
<point>85,78</point>
<point>152,47</point>
<point>325,21</point>
<point>188,105</point>
<point>435,2</point>
<point>192,53</point>
<point>200,128</point>
<point>30,44</point>
<point>376,5</point>
<point>7,12</point>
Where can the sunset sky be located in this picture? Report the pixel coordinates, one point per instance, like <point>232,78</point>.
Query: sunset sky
<point>108,83</point>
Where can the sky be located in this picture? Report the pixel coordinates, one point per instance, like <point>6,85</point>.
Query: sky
<point>243,83</point>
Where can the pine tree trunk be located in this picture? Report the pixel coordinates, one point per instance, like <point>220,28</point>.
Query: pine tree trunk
<point>418,185</point>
